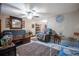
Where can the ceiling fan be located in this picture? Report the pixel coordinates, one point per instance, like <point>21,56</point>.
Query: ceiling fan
<point>30,14</point>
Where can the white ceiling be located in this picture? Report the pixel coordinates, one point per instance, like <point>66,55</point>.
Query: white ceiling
<point>44,9</point>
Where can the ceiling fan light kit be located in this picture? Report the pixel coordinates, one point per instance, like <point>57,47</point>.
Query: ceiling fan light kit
<point>32,13</point>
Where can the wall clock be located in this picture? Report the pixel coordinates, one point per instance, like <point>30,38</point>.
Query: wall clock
<point>59,18</point>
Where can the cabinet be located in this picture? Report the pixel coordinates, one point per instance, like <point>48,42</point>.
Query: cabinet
<point>10,51</point>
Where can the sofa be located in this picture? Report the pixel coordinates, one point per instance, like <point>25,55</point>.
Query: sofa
<point>19,36</point>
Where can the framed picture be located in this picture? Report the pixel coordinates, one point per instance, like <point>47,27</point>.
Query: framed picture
<point>16,23</point>
<point>59,18</point>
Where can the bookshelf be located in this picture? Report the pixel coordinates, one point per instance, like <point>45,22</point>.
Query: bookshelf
<point>37,28</point>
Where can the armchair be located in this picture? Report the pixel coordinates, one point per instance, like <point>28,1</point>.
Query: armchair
<point>45,36</point>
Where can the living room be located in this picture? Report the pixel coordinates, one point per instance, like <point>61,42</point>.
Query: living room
<point>26,24</point>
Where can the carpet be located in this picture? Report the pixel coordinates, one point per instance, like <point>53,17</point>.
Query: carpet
<point>35,49</point>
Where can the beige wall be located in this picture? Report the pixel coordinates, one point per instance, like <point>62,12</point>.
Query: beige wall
<point>3,18</point>
<point>67,27</point>
<point>71,23</point>
<point>3,23</point>
<point>28,25</point>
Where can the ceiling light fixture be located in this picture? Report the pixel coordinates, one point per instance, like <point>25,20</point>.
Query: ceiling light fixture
<point>31,13</point>
<point>44,21</point>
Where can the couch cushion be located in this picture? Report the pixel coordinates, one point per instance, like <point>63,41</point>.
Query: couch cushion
<point>16,32</point>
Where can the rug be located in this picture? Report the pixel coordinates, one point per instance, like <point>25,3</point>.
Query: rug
<point>35,49</point>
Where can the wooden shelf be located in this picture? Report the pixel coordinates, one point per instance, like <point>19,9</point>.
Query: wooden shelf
<point>37,28</point>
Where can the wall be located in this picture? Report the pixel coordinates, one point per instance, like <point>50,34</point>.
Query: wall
<point>3,18</point>
<point>3,23</point>
<point>67,27</point>
<point>71,23</point>
<point>28,25</point>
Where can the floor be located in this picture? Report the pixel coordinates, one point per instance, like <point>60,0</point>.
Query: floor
<point>69,46</point>
<point>70,43</point>
<point>67,42</point>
